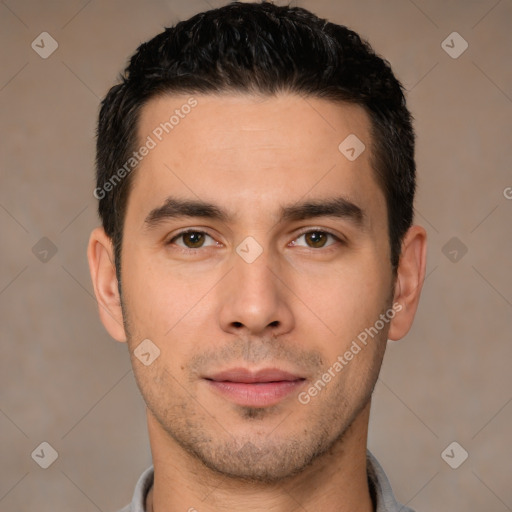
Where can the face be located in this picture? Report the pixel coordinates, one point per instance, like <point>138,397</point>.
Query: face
<point>255,257</point>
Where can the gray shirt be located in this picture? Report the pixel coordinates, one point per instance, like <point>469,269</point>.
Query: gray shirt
<point>380,490</point>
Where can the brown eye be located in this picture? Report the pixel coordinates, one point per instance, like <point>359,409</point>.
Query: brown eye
<point>316,239</point>
<point>192,239</point>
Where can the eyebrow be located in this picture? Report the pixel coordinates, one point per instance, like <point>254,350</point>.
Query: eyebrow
<point>338,207</point>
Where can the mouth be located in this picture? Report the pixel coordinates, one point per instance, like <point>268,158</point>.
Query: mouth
<point>263,388</point>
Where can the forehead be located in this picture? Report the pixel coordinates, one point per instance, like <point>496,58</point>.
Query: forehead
<point>238,122</point>
<point>251,152</point>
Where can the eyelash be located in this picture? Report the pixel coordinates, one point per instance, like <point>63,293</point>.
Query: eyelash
<point>313,230</point>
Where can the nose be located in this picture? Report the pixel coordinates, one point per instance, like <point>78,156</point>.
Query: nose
<point>255,299</point>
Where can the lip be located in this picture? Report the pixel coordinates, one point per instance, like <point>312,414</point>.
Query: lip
<point>262,388</point>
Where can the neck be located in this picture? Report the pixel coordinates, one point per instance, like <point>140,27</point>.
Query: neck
<point>335,481</point>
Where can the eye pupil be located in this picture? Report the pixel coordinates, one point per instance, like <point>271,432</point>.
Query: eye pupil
<point>195,238</point>
<point>317,238</point>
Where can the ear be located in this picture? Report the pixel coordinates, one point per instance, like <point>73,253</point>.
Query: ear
<point>100,253</point>
<point>409,281</point>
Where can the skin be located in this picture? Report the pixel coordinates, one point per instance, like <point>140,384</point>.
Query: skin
<point>297,307</point>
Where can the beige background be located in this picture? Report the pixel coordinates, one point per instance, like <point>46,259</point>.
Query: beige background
<point>66,382</point>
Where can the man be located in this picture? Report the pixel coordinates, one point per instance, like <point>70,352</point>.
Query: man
<point>256,175</point>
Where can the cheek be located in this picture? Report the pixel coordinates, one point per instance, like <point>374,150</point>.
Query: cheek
<point>167,306</point>
<point>350,297</point>
<point>155,296</point>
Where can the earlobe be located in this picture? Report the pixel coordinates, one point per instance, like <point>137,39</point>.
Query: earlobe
<point>100,255</point>
<point>409,280</point>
